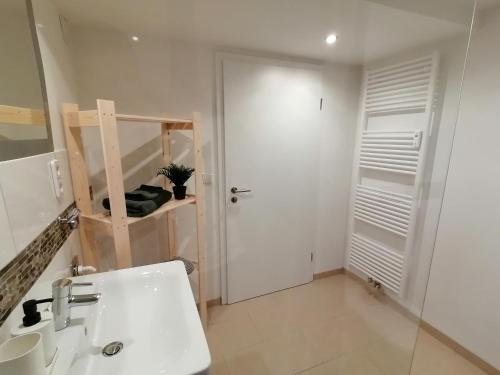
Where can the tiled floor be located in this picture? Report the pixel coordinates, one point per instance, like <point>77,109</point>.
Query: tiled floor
<point>330,326</point>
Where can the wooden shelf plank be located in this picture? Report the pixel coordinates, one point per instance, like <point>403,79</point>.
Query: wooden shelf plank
<point>156,120</point>
<point>89,119</point>
<point>22,116</point>
<point>169,206</point>
<point>179,126</point>
<point>86,118</point>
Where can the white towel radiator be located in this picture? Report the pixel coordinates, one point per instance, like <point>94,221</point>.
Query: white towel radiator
<point>397,112</point>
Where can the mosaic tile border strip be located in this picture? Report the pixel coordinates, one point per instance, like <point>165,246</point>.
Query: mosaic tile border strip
<point>17,277</point>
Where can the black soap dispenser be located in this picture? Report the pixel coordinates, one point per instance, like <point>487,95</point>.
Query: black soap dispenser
<point>43,323</point>
<point>31,314</point>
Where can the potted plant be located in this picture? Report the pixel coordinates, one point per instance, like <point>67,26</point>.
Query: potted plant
<point>178,175</point>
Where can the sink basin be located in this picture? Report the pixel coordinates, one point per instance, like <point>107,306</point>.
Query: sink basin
<point>150,310</point>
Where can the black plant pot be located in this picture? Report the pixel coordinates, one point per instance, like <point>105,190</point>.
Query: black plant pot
<point>179,192</point>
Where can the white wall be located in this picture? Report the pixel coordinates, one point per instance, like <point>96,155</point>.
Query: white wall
<point>29,198</point>
<point>341,90</point>
<point>154,77</point>
<point>7,246</point>
<point>462,299</point>
<point>452,61</point>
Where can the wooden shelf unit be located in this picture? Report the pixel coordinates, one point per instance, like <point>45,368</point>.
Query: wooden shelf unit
<point>117,225</point>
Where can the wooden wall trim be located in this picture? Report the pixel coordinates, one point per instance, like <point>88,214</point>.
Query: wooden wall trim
<point>322,275</point>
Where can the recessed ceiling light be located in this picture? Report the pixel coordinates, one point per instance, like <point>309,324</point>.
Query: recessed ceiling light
<point>135,38</point>
<point>331,39</point>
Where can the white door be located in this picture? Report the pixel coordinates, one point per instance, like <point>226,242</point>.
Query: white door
<point>271,123</point>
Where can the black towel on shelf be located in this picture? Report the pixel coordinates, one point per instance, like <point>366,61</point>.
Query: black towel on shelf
<point>140,208</point>
<point>143,201</point>
<point>163,195</point>
<point>140,195</point>
<point>151,188</point>
<point>134,208</point>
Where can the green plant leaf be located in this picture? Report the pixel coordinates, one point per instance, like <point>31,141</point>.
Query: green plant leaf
<point>177,174</point>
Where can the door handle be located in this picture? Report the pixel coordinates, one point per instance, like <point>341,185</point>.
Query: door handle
<point>235,190</point>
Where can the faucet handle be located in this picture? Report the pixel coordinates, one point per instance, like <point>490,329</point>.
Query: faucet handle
<point>61,288</point>
<point>83,284</point>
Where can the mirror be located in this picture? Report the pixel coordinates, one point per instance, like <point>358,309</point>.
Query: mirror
<point>24,115</point>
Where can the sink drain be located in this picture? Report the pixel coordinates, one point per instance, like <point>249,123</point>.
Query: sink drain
<point>112,349</point>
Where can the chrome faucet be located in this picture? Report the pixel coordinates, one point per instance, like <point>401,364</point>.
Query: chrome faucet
<point>64,300</point>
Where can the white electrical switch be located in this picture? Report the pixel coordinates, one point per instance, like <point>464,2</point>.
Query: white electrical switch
<point>55,171</point>
<point>207,178</point>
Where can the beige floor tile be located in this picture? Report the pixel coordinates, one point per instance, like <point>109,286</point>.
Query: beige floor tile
<point>351,364</point>
<point>389,358</point>
<point>346,299</point>
<point>330,326</point>
<point>341,300</point>
<point>282,356</point>
<point>219,368</point>
<point>288,317</point>
<point>341,335</point>
<point>337,282</point>
<point>286,311</point>
<point>433,357</point>
<point>390,324</point>
<point>268,302</point>
<point>250,361</point>
<point>214,345</point>
<point>230,337</point>
<point>227,313</point>
<point>453,365</point>
<point>296,307</point>
<point>273,324</point>
<point>429,352</point>
<point>360,296</point>
<point>293,353</point>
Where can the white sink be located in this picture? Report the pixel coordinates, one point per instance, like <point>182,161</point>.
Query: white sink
<point>151,310</point>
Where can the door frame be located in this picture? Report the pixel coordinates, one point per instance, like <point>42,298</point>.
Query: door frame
<point>220,56</point>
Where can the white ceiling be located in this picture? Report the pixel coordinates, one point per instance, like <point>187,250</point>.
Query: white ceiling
<point>367,30</point>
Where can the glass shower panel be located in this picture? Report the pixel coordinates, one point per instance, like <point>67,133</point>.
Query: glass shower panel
<point>409,107</point>
<point>461,302</point>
